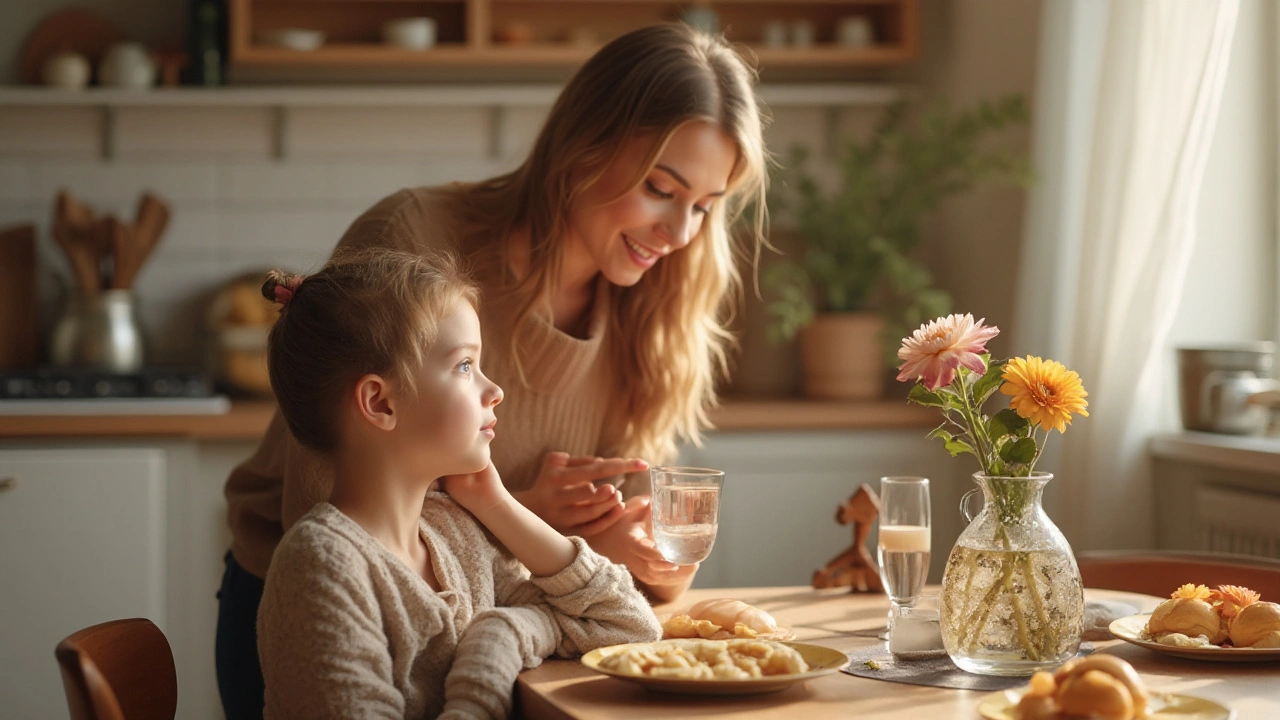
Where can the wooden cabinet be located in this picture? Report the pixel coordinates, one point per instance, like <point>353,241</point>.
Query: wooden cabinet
<point>507,37</point>
<point>82,540</point>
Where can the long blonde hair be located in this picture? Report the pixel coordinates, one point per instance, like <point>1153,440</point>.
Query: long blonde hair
<point>668,334</point>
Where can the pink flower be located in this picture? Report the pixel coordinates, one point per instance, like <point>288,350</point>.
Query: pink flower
<point>938,348</point>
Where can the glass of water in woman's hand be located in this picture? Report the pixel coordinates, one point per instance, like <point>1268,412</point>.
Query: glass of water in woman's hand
<point>686,512</point>
<point>903,547</point>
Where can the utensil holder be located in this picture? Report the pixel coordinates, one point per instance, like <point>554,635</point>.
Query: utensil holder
<point>99,331</point>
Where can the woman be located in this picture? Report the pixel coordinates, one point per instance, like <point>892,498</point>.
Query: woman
<point>605,265</point>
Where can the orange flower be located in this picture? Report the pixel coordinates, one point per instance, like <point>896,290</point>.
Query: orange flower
<point>1044,392</point>
<point>1192,592</point>
<point>1234,598</point>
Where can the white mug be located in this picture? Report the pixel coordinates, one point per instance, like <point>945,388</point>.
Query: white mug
<point>411,33</point>
<point>856,31</point>
<point>67,70</point>
<point>802,33</point>
<point>775,34</point>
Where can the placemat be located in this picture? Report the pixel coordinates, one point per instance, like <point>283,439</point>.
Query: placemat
<point>937,671</point>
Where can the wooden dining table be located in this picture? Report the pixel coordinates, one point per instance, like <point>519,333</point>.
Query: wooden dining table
<point>567,690</point>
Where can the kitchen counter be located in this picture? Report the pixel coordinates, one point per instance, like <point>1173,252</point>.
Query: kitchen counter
<point>248,420</point>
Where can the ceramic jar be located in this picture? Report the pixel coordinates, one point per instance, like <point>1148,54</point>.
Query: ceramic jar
<point>66,70</point>
<point>127,65</point>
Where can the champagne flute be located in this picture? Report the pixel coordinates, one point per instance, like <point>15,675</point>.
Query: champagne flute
<point>903,547</point>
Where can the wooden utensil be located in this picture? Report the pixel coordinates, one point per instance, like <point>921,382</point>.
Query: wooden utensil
<point>73,228</point>
<point>19,338</point>
<point>133,245</point>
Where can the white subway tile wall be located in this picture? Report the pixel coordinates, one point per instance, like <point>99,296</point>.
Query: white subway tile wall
<point>237,208</point>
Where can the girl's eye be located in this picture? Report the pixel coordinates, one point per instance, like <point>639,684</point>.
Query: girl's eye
<point>700,209</point>
<point>464,367</point>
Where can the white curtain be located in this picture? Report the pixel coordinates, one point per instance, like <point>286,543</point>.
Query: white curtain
<point>1127,97</point>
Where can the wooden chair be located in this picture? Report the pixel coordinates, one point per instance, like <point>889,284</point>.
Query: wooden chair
<point>1160,572</point>
<point>119,670</point>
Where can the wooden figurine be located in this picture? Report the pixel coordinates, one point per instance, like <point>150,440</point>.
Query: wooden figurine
<point>854,567</point>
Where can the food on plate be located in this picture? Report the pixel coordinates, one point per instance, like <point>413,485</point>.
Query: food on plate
<point>1189,611</point>
<point>1101,686</point>
<point>723,619</point>
<point>1257,625</point>
<point>683,626</point>
<point>1229,616</point>
<point>727,613</point>
<point>706,660</point>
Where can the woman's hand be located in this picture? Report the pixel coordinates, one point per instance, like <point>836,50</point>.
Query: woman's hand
<point>629,542</point>
<point>567,497</point>
<point>477,492</point>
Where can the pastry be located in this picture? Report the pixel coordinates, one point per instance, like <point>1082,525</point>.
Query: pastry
<point>1188,611</point>
<point>1102,686</point>
<point>1257,625</point>
<point>727,613</point>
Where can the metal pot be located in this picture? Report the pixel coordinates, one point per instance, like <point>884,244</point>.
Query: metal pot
<point>99,331</point>
<point>1228,388</point>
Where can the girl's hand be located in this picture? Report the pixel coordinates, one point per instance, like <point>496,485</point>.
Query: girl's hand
<point>477,492</point>
<point>629,542</point>
<point>568,498</point>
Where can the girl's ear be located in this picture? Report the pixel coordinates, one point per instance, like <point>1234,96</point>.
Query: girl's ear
<point>375,402</point>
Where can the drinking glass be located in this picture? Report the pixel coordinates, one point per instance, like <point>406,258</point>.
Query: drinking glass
<point>903,549</point>
<point>686,512</point>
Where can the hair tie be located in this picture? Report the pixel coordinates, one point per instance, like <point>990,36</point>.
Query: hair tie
<point>281,287</point>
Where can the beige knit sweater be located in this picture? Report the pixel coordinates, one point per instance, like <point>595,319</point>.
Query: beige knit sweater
<point>566,406</point>
<point>347,630</point>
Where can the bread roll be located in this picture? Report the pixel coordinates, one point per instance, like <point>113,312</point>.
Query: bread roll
<point>726,613</point>
<point>1095,693</point>
<point>1253,624</point>
<point>1190,617</point>
<point>1121,671</point>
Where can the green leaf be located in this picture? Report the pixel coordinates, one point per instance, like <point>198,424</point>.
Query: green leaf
<point>1020,451</point>
<point>921,396</point>
<point>989,382</point>
<point>1004,423</point>
<point>956,446</point>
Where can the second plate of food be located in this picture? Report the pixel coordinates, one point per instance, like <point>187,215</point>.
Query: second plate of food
<point>1161,706</point>
<point>1134,629</point>
<point>820,661</point>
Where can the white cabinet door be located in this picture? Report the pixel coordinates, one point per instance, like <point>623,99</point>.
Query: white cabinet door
<point>782,489</point>
<point>82,541</point>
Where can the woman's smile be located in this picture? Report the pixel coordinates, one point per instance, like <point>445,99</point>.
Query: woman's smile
<point>641,255</point>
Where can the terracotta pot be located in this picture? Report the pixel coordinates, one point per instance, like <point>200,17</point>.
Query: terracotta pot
<point>841,357</point>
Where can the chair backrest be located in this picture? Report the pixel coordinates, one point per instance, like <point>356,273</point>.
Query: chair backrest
<point>1156,572</point>
<point>119,670</point>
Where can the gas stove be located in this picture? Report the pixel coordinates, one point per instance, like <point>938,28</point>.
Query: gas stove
<point>49,383</point>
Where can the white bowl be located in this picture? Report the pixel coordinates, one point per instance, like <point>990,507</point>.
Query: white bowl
<point>411,33</point>
<point>293,38</point>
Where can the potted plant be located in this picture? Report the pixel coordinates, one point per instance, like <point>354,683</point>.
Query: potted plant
<point>856,286</point>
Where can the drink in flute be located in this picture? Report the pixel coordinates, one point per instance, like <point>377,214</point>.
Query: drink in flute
<point>904,561</point>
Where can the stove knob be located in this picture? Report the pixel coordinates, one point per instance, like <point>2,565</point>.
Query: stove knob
<point>62,388</point>
<point>160,386</point>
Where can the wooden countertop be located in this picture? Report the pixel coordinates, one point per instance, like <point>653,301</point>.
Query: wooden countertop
<point>248,420</point>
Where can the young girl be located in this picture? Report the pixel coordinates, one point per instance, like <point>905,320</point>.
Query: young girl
<point>391,600</point>
<point>607,272</point>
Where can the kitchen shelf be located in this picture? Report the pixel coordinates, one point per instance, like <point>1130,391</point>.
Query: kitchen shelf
<point>561,34</point>
<point>777,95</point>
<point>248,420</point>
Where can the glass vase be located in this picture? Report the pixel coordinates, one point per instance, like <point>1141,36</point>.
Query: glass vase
<point>1012,598</point>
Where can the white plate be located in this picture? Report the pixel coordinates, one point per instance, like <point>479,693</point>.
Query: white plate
<point>821,661</point>
<point>1133,629</point>
<point>1160,706</point>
